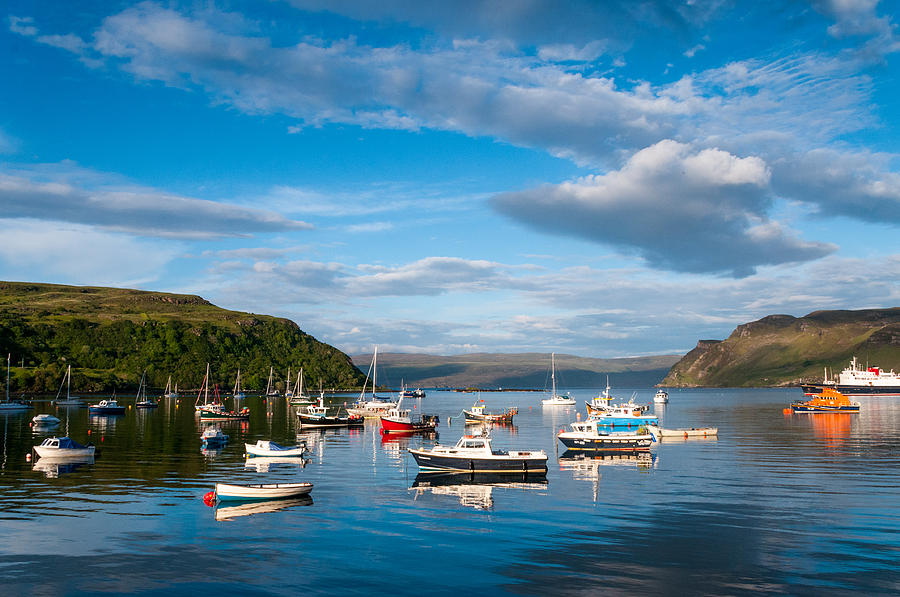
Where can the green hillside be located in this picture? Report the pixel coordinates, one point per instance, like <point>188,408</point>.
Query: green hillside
<point>523,370</point>
<point>781,350</point>
<point>110,335</point>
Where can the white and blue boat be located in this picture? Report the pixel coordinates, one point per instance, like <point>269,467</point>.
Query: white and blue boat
<point>591,436</point>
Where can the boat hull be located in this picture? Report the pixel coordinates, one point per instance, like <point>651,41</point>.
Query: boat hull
<point>389,425</point>
<point>324,422</point>
<point>216,415</point>
<point>225,491</point>
<point>693,432</point>
<point>106,410</point>
<point>803,408</point>
<point>64,454</point>
<point>852,390</point>
<point>7,407</point>
<point>605,443</point>
<point>430,462</point>
<point>502,418</point>
<point>254,450</point>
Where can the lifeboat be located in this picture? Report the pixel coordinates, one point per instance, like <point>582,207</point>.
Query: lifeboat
<point>828,400</point>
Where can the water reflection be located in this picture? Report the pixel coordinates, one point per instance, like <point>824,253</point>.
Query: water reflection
<point>833,428</point>
<point>233,510</point>
<point>54,467</point>
<point>264,464</point>
<point>473,490</point>
<point>588,467</point>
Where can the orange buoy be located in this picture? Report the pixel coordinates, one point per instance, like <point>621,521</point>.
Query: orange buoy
<point>787,411</point>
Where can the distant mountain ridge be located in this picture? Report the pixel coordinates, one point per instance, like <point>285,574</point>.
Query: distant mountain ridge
<point>782,350</point>
<point>522,370</point>
<point>111,335</point>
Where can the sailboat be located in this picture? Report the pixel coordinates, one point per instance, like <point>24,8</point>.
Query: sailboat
<point>270,387</point>
<point>69,400</point>
<point>11,405</point>
<point>298,397</point>
<point>377,406</point>
<point>141,400</point>
<point>287,385</point>
<point>169,393</point>
<point>215,410</point>
<point>555,399</point>
<point>236,391</point>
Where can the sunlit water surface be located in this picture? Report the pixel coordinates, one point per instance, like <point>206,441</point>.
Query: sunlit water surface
<point>777,504</point>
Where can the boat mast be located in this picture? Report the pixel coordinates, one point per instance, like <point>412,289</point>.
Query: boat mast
<point>553,374</point>
<point>68,381</point>
<point>8,356</point>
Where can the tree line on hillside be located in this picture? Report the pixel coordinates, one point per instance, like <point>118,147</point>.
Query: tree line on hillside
<point>108,356</point>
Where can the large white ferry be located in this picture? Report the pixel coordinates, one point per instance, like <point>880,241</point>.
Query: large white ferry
<point>856,380</point>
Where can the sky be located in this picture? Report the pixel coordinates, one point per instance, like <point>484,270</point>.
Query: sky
<point>605,179</point>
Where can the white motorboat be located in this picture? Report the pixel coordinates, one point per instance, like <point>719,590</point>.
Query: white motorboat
<point>588,435</point>
<point>474,454</point>
<point>661,396</point>
<point>63,447</point>
<point>555,399</point>
<point>269,448</point>
<point>45,420</point>
<point>226,491</point>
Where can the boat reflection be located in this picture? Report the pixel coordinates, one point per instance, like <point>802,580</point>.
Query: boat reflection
<point>233,510</point>
<point>54,467</point>
<point>588,467</point>
<point>833,428</point>
<point>481,428</point>
<point>212,452</point>
<point>263,464</point>
<point>474,490</point>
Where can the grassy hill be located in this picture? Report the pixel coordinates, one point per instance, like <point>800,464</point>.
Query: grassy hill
<point>110,335</point>
<point>526,370</point>
<point>783,350</point>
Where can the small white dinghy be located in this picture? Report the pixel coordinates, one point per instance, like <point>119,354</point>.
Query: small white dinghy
<point>45,420</point>
<point>685,433</point>
<point>225,491</point>
<point>269,448</point>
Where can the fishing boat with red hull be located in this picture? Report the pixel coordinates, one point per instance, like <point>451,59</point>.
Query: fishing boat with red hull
<point>401,421</point>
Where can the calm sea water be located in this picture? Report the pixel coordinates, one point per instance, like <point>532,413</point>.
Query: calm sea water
<point>777,504</point>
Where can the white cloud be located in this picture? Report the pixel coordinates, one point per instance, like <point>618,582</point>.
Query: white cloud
<point>75,254</point>
<point>680,209</point>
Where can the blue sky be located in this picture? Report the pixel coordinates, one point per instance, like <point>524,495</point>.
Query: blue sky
<point>598,178</point>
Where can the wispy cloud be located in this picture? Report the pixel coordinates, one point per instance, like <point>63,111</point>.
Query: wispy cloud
<point>146,212</point>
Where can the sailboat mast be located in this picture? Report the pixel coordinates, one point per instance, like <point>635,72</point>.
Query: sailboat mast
<point>553,373</point>
<point>8,357</point>
<point>68,381</point>
<point>374,371</point>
